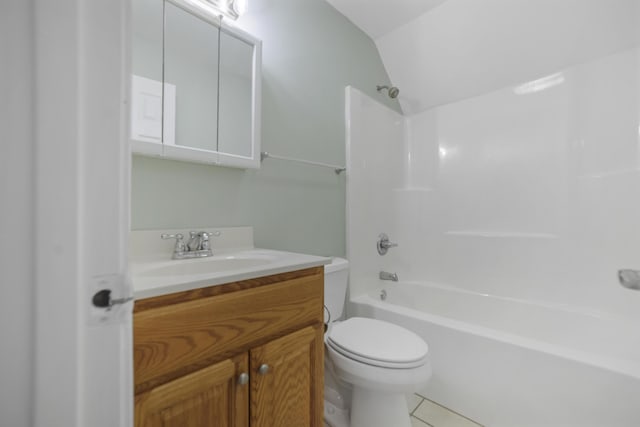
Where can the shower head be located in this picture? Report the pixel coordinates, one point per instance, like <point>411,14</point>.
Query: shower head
<point>392,91</point>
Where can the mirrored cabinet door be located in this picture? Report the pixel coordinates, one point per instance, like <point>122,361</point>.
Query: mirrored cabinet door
<point>146,82</point>
<point>236,96</point>
<point>191,66</point>
<point>195,85</point>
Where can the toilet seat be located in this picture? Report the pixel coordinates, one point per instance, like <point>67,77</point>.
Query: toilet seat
<point>378,343</point>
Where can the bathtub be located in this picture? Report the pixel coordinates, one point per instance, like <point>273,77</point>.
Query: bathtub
<point>510,363</point>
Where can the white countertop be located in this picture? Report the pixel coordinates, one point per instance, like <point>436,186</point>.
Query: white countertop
<point>156,275</point>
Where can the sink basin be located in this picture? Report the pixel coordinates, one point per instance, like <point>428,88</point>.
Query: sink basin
<point>206,266</point>
<point>155,273</point>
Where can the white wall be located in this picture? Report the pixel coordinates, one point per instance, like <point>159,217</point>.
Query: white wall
<point>16,214</point>
<point>465,48</point>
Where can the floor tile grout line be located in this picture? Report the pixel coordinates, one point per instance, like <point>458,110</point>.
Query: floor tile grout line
<point>414,409</point>
<point>422,421</point>
<point>422,399</point>
<point>417,417</point>
<point>444,407</point>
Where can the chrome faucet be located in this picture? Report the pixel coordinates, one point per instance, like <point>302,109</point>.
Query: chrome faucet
<point>195,241</point>
<point>384,244</point>
<point>198,246</point>
<point>385,275</point>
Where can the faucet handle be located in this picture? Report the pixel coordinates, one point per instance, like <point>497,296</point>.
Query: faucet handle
<point>629,278</point>
<point>178,236</point>
<point>384,244</point>
<point>205,238</point>
<point>179,247</point>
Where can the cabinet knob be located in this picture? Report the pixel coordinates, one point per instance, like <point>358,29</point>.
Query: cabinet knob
<point>263,369</point>
<point>243,378</point>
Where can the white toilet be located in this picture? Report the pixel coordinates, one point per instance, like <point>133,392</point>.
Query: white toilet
<point>370,364</point>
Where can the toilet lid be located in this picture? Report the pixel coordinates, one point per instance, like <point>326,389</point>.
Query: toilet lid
<point>378,343</point>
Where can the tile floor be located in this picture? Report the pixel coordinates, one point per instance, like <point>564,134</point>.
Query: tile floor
<point>425,413</point>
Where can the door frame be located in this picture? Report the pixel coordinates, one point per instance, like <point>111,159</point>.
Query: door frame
<point>83,355</point>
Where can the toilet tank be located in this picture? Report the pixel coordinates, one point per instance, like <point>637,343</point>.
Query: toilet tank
<point>336,276</point>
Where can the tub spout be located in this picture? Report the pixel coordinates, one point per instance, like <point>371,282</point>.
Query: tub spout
<point>384,275</point>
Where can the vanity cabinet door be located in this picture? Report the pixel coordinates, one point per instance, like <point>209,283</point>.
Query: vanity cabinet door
<point>210,397</point>
<point>287,380</point>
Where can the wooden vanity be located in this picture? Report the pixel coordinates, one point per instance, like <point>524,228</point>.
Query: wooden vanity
<point>247,353</point>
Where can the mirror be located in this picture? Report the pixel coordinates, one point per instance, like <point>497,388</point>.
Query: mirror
<point>234,130</point>
<point>146,82</point>
<point>191,65</point>
<point>195,85</point>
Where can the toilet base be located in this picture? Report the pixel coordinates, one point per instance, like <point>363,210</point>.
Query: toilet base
<point>335,416</point>
<point>372,408</point>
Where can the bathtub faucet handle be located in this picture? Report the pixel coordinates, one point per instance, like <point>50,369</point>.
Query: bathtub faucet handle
<point>629,278</point>
<point>384,244</point>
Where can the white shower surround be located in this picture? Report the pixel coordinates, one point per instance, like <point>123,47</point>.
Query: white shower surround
<point>528,194</point>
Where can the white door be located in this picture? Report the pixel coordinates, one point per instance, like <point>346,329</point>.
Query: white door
<point>83,355</point>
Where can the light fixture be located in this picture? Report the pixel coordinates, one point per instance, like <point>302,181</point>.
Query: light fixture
<point>231,9</point>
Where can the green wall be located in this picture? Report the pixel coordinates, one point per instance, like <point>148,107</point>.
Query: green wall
<point>310,53</point>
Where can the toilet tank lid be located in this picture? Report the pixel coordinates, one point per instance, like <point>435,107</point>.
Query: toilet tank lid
<point>337,264</point>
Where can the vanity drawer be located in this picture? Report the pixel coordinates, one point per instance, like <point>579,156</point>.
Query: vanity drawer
<point>173,340</point>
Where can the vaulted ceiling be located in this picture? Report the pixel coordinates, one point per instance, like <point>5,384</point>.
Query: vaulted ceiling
<point>441,51</point>
<point>378,17</point>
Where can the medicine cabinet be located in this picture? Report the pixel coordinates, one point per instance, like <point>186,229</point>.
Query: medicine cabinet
<point>196,84</point>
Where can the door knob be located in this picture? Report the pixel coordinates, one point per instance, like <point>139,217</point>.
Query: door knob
<point>263,369</point>
<point>102,299</point>
<point>243,378</point>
